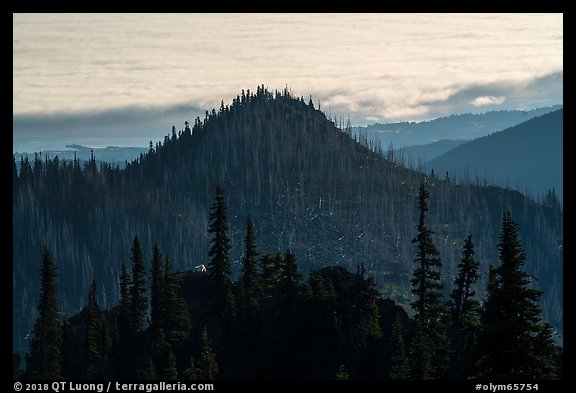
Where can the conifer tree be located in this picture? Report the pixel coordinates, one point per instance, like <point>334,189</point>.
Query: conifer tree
<point>230,325</point>
<point>25,170</point>
<point>138,298</point>
<point>70,352</point>
<point>45,358</point>
<point>175,319</point>
<point>94,355</point>
<point>219,266</point>
<point>321,325</point>
<point>400,367</point>
<point>230,308</point>
<point>207,361</point>
<point>123,351</point>
<point>247,327</point>
<point>105,337</point>
<point>270,266</point>
<point>156,287</point>
<point>421,353</point>
<point>464,311</point>
<point>162,356</point>
<point>124,305</point>
<point>191,373</point>
<point>290,277</point>
<point>545,354</point>
<point>430,312</point>
<point>363,317</point>
<point>249,281</point>
<point>365,312</point>
<point>318,290</point>
<point>170,372</point>
<point>514,342</point>
<point>463,304</point>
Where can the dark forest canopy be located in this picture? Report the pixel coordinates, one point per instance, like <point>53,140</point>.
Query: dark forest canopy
<point>307,186</point>
<point>271,324</point>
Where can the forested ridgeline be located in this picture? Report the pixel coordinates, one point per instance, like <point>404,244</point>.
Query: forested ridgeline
<point>270,324</point>
<point>307,185</point>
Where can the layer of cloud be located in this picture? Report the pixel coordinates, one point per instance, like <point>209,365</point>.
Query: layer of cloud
<point>487,100</point>
<point>125,126</point>
<point>366,66</point>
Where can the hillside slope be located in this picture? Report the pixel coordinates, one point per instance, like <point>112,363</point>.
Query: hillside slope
<point>526,155</point>
<point>414,155</point>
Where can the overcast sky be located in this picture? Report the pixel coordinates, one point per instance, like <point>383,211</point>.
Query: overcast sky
<point>94,74</point>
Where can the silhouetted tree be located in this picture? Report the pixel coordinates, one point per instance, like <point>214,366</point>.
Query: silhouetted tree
<point>270,265</point>
<point>71,353</point>
<point>249,282</point>
<point>207,361</point>
<point>156,287</point>
<point>430,312</point>
<point>514,344</point>
<point>364,317</point>
<point>124,305</point>
<point>289,281</point>
<point>462,302</point>
<point>138,298</point>
<point>94,351</point>
<point>175,317</point>
<point>97,337</point>
<point>421,354</point>
<point>44,360</point>
<point>400,366</point>
<point>219,266</point>
<point>162,356</point>
<point>191,373</point>
<point>464,311</point>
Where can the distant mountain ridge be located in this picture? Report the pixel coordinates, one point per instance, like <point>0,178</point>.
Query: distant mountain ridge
<point>462,126</point>
<point>110,154</point>
<point>528,155</point>
<point>413,155</point>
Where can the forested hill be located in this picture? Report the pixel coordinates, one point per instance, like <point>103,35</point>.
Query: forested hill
<point>307,185</point>
<point>527,156</point>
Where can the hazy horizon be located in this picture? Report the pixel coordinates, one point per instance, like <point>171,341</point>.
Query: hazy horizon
<point>110,78</point>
